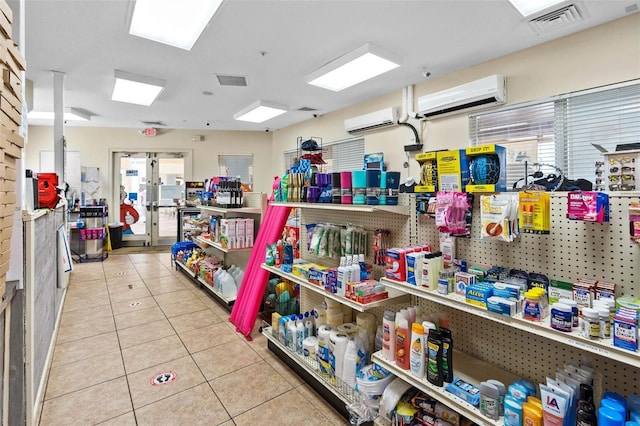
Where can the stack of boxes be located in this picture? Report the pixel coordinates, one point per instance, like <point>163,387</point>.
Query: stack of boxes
<point>11,143</point>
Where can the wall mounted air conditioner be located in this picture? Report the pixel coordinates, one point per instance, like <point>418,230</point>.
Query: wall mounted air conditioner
<point>372,121</point>
<point>483,93</point>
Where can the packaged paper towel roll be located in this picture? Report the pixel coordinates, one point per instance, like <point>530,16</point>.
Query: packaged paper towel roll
<point>309,346</point>
<point>334,319</point>
<point>339,349</point>
<point>323,336</point>
<point>366,320</point>
<point>350,329</point>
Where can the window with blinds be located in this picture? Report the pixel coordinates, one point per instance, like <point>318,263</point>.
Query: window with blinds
<point>235,165</point>
<point>339,156</point>
<point>561,131</point>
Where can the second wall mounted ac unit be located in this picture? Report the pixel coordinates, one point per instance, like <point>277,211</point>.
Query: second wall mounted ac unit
<point>374,120</point>
<point>483,93</point>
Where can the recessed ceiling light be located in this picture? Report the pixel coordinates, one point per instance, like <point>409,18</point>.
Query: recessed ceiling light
<point>136,89</point>
<point>363,63</point>
<point>176,23</point>
<point>260,111</point>
<point>70,114</point>
<point>529,7</point>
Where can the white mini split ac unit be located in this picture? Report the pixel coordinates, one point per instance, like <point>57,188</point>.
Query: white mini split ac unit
<point>483,93</point>
<point>372,121</point>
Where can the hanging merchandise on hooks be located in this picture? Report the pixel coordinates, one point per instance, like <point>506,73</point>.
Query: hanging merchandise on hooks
<point>453,212</point>
<point>499,216</point>
<point>535,212</point>
<point>588,206</point>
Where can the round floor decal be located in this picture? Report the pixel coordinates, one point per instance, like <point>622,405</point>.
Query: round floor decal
<point>163,378</point>
<point>135,304</point>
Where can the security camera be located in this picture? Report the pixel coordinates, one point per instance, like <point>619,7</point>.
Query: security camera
<point>208,123</point>
<point>426,74</point>
<point>267,130</point>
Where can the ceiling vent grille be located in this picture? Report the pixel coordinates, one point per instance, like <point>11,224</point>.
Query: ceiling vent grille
<point>232,80</point>
<point>153,123</point>
<point>559,18</point>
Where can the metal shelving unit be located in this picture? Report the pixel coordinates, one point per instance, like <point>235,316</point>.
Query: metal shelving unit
<point>394,295</point>
<point>542,328</point>
<point>400,209</point>
<point>204,242</point>
<point>467,368</point>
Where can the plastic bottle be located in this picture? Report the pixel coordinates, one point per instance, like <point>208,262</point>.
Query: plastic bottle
<point>308,325</point>
<point>363,267</point>
<point>434,358</point>
<point>447,355</point>
<point>403,342</point>
<point>389,336</point>
<point>291,333</point>
<point>282,329</point>
<point>299,334</point>
<point>411,312</point>
<point>417,350</point>
<point>343,276</point>
<point>355,270</point>
<point>609,417</point>
<point>502,391</point>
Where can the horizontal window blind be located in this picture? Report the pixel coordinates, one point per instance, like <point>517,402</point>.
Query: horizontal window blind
<point>234,165</point>
<point>607,118</point>
<point>526,132</point>
<point>562,131</point>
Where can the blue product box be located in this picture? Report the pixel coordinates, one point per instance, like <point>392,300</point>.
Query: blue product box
<point>625,333</point>
<point>414,267</point>
<point>501,306</point>
<point>477,294</point>
<point>506,291</point>
<point>482,170</point>
<point>464,390</point>
<point>331,285</point>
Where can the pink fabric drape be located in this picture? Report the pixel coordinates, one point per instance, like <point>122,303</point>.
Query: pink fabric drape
<point>247,303</point>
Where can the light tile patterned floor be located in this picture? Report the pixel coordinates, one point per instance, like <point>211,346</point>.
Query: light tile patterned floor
<point>132,317</point>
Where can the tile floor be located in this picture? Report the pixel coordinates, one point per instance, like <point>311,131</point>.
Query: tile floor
<point>132,317</point>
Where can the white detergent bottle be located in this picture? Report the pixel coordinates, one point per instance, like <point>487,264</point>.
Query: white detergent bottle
<point>343,277</point>
<point>228,285</point>
<point>291,333</point>
<point>232,269</point>
<point>299,334</point>
<point>308,325</point>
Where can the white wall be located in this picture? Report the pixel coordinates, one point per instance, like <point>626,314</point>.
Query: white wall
<point>603,55</point>
<point>94,145</point>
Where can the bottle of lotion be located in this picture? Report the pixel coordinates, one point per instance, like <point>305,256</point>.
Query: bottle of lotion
<point>417,350</point>
<point>389,336</point>
<point>403,342</point>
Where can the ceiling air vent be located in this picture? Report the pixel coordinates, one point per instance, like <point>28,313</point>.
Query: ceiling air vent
<point>559,18</point>
<point>232,80</point>
<point>153,123</point>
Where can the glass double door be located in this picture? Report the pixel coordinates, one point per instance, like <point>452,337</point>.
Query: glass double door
<point>151,188</point>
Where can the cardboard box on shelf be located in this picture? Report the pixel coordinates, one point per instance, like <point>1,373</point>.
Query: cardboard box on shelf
<point>486,176</point>
<point>453,170</point>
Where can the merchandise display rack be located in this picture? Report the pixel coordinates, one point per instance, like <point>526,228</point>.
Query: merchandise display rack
<point>400,209</point>
<point>337,393</point>
<point>204,243</point>
<point>498,344</point>
<point>394,296</point>
<point>542,328</point>
<point>465,367</point>
<point>255,205</point>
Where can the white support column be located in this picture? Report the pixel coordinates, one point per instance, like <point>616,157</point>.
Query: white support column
<point>58,125</point>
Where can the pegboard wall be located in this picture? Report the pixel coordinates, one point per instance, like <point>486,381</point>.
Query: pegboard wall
<point>572,250</point>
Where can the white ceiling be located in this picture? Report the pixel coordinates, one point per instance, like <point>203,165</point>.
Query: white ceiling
<point>274,43</point>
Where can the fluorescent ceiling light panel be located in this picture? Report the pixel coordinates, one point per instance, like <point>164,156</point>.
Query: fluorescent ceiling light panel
<point>176,23</point>
<point>363,63</point>
<point>70,114</point>
<point>136,89</point>
<point>260,111</point>
<point>529,7</point>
